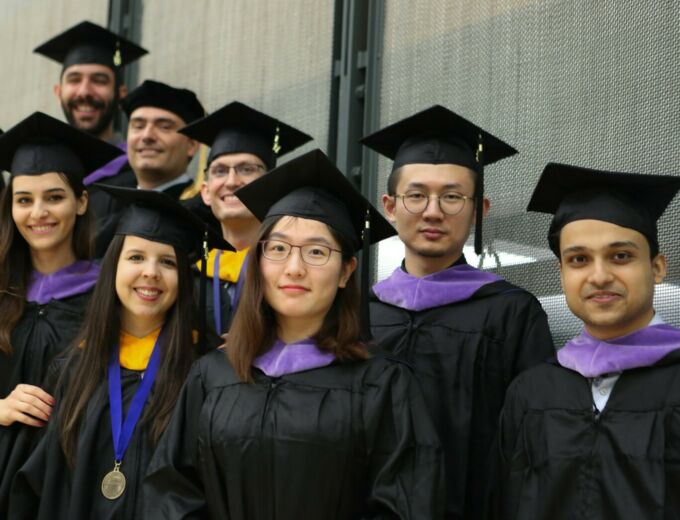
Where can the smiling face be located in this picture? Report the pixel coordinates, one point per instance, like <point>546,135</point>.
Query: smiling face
<point>146,283</point>
<point>156,151</point>
<point>608,277</point>
<point>44,210</point>
<point>301,294</point>
<point>433,239</point>
<point>222,181</point>
<point>88,98</point>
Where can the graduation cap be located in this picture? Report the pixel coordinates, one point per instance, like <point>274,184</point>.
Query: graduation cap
<point>156,216</point>
<point>180,101</point>
<point>311,187</point>
<point>87,42</point>
<point>438,136</point>
<point>41,144</point>
<point>626,199</point>
<point>237,128</point>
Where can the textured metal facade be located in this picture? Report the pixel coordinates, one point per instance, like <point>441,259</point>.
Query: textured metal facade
<point>27,78</point>
<point>575,81</point>
<point>274,56</point>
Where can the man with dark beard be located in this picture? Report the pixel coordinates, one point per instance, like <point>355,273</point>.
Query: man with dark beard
<point>466,332</point>
<point>88,91</point>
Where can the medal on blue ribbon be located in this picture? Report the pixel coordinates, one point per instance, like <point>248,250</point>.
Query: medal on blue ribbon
<point>113,484</point>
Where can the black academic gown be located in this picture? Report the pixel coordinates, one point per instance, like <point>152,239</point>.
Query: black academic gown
<point>465,354</point>
<point>560,459</point>
<point>42,333</point>
<point>226,290</point>
<point>107,209</point>
<point>339,442</point>
<point>46,488</point>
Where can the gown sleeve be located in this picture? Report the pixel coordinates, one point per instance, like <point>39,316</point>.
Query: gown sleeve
<point>172,487</point>
<point>531,336</point>
<point>507,464</point>
<point>27,486</point>
<point>404,454</point>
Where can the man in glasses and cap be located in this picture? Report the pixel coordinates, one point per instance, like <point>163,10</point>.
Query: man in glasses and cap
<point>466,332</point>
<point>595,433</point>
<point>244,144</point>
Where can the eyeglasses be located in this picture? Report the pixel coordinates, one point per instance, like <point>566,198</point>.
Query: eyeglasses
<point>311,254</point>
<point>450,203</point>
<point>241,169</point>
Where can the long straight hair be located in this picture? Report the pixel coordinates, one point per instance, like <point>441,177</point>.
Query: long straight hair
<point>254,328</point>
<point>15,258</point>
<point>101,332</point>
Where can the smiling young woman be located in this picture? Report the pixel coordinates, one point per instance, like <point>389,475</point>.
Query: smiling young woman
<point>296,420</point>
<point>119,387</point>
<point>46,277</point>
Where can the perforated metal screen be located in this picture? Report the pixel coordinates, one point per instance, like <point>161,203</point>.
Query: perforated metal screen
<point>274,56</point>
<point>584,82</point>
<point>26,79</point>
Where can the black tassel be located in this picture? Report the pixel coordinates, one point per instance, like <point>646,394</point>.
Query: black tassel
<point>202,307</point>
<point>479,197</point>
<point>365,268</point>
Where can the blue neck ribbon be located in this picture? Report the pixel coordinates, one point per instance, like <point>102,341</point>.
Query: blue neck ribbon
<point>122,431</point>
<point>217,310</point>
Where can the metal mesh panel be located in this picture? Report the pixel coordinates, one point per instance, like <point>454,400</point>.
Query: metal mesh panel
<point>27,78</point>
<point>275,59</point>
<point>575,81</point>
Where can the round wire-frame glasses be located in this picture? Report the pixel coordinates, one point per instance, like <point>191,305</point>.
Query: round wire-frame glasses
<point>311,254</point>
<point>450,203</point>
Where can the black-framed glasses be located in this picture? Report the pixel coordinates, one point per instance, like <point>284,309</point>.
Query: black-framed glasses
<point>450,202</point>
<point>245,169</point>
<point>312,254</point>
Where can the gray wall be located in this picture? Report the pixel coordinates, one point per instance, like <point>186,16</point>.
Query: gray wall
<point>27,78</point>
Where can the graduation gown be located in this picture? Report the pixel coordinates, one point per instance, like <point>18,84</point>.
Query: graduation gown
<point>107,209</point>
<point>465,354</point>
<point>46,488</point>
<point>227,280</point>
<point>560,458</point>
<point>43,332</point>
<point>342,441</point>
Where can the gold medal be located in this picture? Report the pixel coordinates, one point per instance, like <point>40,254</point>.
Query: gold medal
<point>113,484</point>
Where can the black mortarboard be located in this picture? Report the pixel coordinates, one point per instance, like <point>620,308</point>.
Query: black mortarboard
<point>158,217</point>
<point>237,128</point>
<point>626,199</point>
<point>311,187</point>
<point>41,144</point>
<point>438,136</point>
<point>87,42</point>
<point>180,101</point>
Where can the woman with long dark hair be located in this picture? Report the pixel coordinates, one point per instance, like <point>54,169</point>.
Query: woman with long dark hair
<point>46,276</point>
<point>294,419</point>
<point>119,386</point>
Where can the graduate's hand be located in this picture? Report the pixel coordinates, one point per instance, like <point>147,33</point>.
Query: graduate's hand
<point>26,404</point>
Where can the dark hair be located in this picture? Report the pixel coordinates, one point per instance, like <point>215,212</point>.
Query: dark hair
<point>254,328</point>
<point>15,258</point>
<point>101,330</point>
<point>395,175</point>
